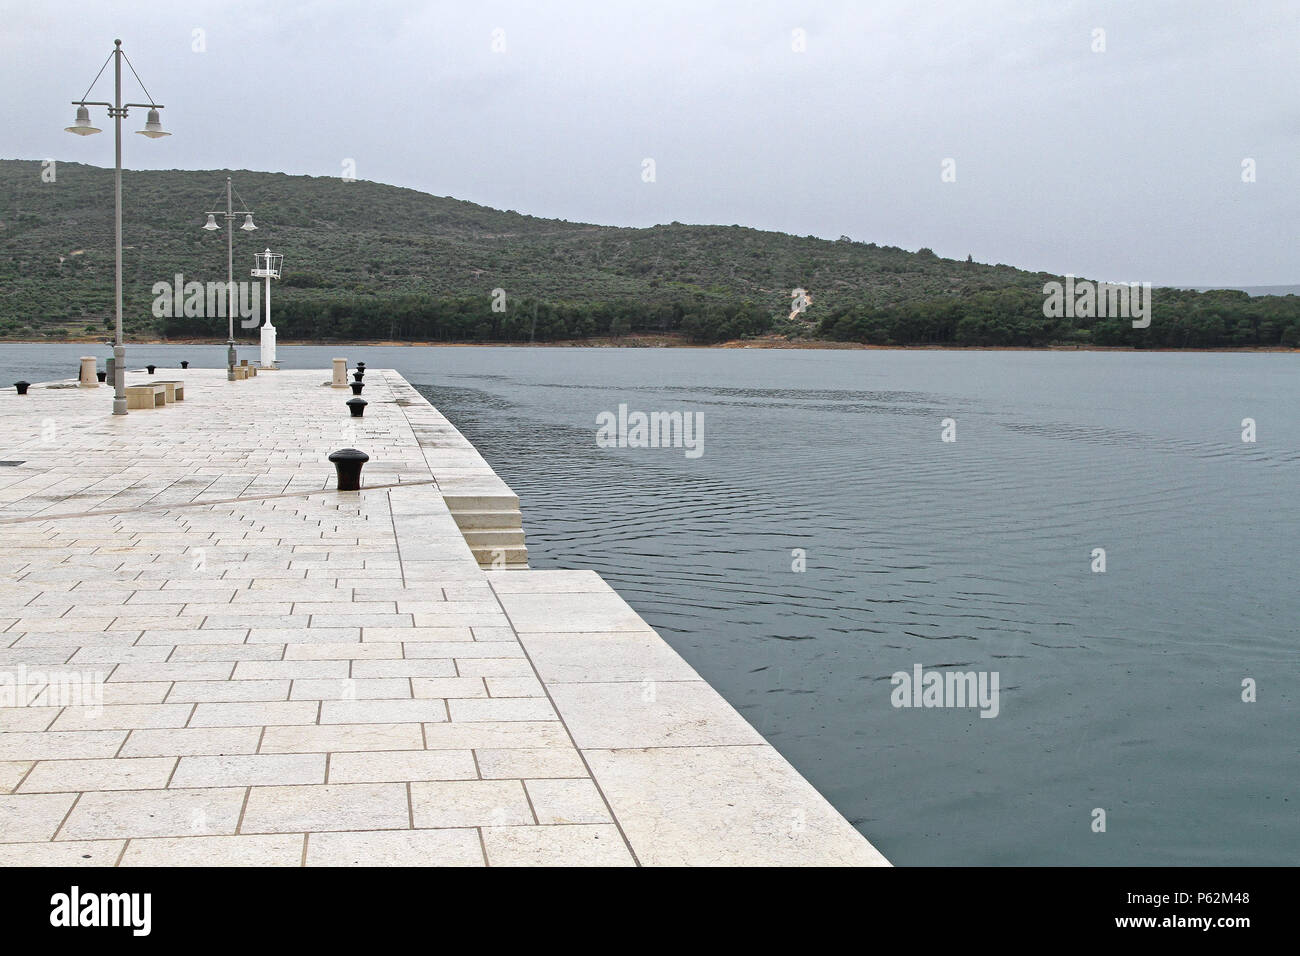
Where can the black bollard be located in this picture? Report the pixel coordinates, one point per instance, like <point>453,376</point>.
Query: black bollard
<point>185,364</point>
<point>101,375</point>
<point>359,374</point>
<point>22,387</point>
<point>357,387</point>
<point>357,406</point>
<point>151,368</point>
<point>361,367</point>
<point>347,464</point>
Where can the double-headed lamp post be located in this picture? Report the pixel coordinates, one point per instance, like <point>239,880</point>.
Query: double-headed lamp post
<point>211,225</point>
<point>153,129</point>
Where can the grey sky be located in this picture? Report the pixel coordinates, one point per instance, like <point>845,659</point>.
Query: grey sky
<point>1122,165</point>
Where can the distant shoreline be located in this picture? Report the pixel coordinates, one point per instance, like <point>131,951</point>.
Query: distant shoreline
<point>655,342</point>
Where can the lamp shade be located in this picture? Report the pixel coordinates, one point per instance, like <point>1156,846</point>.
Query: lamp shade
<point>211,224</point>
<point>153,126</point>
<point>82,126</point>
<point>248,223</point>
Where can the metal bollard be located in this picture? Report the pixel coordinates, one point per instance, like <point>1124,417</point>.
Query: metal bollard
<point>185,364</point>
<point>101,375</point>
<point>359,375</point>
<point>357,406</point>
<point>22,387</point>
<point>347,464</point>
<point>357,387</point>
<point>361,367</point>
<point>151,368</point>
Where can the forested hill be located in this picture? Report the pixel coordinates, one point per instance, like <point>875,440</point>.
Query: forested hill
<point>365,260</point>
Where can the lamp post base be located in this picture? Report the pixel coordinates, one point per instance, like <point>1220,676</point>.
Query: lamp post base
<point>119,379</point>
<point>268,345</point>
<point>230,361</point>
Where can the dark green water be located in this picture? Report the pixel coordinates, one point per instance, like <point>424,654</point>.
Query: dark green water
<point>1119,691</point>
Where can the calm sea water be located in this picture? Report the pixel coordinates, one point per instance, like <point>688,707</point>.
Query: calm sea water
<point>1118,690</point>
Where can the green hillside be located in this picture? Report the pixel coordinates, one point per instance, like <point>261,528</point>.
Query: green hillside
<point>366,260</point>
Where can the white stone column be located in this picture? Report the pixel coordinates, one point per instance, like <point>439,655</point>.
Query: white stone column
<point>88,378</point>
<point>268,330</point>
<point>268,345</point>
<point>340,373</point>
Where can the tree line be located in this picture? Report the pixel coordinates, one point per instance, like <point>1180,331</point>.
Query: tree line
<point>1014,317</point>
<point>1000,317</point>
<point>418,318</point>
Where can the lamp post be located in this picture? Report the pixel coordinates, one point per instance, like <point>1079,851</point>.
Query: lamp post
<point>211,225</point>
<point>266,266</point>
<point>153,129</point>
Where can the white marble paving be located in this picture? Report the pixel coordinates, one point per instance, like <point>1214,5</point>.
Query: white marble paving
<point>208,656</point>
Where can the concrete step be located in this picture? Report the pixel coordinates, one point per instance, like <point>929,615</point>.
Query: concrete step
<point>481,502</point>
<point>511,556</point>
<point>487,520</point>
<point>503,538</point>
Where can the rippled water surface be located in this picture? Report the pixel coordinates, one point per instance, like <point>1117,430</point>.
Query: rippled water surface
<point>1119,691</point>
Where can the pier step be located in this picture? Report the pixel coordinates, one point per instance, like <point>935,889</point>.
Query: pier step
<point>492,527</point>
<point>497,538</point>
<point>487,520</point>
<point>508,557</point>
<point>458,503</point>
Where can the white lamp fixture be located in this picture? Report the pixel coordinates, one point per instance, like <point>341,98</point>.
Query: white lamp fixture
<point>248,223</point>
<point>153,127</point>
<point>82,126</point>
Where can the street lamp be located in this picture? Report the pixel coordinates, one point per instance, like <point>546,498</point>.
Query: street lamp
<point>266,266</point>
<point>153,129</point>
<point>211,225</point>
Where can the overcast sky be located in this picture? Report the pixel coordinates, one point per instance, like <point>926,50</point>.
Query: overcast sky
<point>1123,165</point>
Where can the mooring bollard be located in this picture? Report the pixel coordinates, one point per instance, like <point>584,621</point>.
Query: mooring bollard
<point>185,364</point>
<point>359,375</point>
<point>86,377</point>
<point>357,406</point>
<point>357,387</point>
<point>22,387</point>
<point>340,379</point>
<point>347,464</point>
<point>151,368</point>
<point>361,367</point>
<point>101,375</point>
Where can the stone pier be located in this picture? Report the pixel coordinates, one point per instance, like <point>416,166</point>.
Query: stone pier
<point>208,656</point>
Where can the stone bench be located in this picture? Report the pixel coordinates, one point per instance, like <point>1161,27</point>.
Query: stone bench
<point>153,395</point>
<point>175,390</point>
